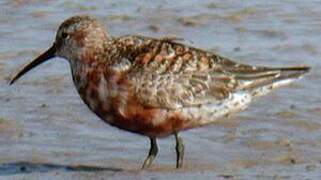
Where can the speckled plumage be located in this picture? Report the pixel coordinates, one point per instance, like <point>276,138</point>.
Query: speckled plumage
<point>158,87</point>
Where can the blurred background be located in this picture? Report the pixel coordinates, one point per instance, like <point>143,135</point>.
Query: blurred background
<point>45,128</point>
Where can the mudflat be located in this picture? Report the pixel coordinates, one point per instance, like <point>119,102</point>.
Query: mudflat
<point>46,132</point>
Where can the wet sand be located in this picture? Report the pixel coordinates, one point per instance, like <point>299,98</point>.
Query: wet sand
<point>46,132</point>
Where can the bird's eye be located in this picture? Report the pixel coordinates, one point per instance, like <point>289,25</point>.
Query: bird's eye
<point>64,35</point>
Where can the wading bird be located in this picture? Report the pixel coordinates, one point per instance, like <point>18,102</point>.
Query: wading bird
<point>156,87</point>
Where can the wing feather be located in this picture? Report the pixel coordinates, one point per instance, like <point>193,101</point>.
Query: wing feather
<point>167,74</point>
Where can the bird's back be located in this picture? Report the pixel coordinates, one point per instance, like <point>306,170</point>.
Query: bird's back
<point>198,85</point>
<point>171,75</point>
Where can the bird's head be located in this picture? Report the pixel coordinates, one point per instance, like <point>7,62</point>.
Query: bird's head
<point>76,38</point>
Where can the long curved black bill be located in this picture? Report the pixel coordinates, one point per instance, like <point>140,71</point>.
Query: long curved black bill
<point>50,53</point>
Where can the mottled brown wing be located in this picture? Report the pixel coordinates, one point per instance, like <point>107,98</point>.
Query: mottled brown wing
<point>168,74</point>
<point>176,91</point>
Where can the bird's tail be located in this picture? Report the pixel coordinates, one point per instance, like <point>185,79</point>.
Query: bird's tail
<point>289,74</point>
<point>274,78</point>
<point>293,72</point>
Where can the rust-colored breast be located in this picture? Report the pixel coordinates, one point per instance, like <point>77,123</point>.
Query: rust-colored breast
<point>130,115</point>
<point>110,95</point>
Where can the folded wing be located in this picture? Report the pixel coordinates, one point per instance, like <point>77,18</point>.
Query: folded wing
<point>167,74</point>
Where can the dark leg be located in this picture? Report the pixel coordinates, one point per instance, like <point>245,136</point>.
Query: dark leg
<point>179,151</point>
<point>152,153</point>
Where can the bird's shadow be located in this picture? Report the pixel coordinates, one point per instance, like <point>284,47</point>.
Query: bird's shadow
<point>30,167</point>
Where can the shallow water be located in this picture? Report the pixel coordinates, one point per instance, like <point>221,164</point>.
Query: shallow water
<point>45,129</point>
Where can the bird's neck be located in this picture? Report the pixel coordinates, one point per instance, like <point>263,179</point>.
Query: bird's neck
<point>82,73</point>
<point>113,60</point>
<point>89,71</point>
